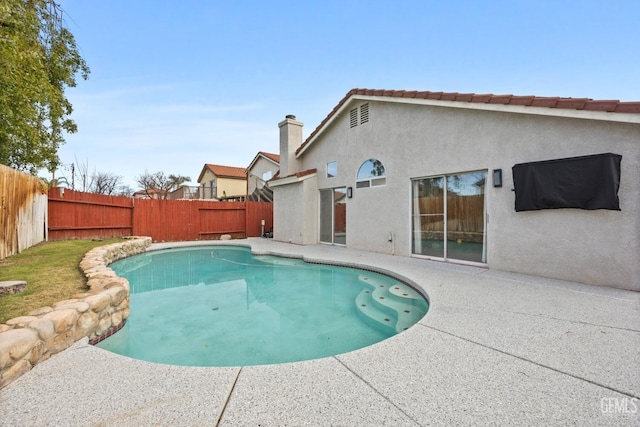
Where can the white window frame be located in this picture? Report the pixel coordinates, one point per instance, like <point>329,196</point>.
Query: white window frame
<point>372,180</point>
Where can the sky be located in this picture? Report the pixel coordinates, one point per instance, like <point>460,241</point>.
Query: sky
<point>177,84</point>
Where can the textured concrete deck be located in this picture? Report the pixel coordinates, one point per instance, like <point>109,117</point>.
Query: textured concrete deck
<point>495,348</point>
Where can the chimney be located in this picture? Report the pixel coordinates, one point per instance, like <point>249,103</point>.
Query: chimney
<point>290,140</point>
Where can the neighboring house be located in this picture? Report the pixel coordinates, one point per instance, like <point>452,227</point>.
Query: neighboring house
<point>149,194</point>
<point>431,175</point>
<point>226,183</point>
<point>263,168</point>
<point>185,192</point>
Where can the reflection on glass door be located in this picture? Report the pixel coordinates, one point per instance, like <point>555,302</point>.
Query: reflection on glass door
<point>449,217</point>
<point>333,216</point>
<point>428,217</point>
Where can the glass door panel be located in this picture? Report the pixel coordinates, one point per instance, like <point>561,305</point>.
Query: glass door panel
<point>326,216</point>
<point>449,217</point>
<point>333,216</point>
<point>428,217</point>
<point>340,216</point>
<point>465,216</point>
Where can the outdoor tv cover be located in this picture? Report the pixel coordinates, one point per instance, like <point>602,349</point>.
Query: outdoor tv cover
<point>586,182</point>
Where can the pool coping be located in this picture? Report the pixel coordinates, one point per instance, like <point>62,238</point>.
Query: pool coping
<point>494,348</point>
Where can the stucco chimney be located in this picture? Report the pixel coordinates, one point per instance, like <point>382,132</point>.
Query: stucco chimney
<point>290,140</point>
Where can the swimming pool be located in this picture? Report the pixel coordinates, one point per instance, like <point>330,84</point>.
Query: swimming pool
<point>223,306</point>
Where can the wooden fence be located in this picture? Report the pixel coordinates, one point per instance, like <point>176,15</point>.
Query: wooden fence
<point>74,214</point>
<point>23,211</point>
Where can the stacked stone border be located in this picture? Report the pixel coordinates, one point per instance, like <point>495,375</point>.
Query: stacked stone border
<point>28,340</point>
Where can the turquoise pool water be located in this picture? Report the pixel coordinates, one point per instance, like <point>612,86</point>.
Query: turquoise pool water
<point>223,306</point>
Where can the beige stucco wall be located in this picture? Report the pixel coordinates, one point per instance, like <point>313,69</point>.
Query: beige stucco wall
<point>598,247</point>
<point>229,187</point>
<point>232,186</point>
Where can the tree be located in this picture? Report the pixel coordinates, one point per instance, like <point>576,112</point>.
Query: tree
<point>105,183</point>
<point>158,185</point>
<point>39,59</point>
<point>178,180</point>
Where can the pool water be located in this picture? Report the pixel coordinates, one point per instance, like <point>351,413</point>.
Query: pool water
<point>223,306</point>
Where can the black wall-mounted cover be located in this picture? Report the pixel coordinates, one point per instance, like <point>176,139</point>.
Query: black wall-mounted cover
<point>587,182</point>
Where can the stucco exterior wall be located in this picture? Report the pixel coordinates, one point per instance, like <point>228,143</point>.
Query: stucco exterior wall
<point>228,187</point>
<point>261,166</point>
<point>295,212</point>
<point>597,247</point>
<point>206,180</point>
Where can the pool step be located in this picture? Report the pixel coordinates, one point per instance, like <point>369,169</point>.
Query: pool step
<point>373,315</point>
<point>392,307</point>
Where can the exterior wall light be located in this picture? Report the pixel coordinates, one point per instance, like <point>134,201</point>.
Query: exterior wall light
<point>349,192</point>
<point>497,177</point>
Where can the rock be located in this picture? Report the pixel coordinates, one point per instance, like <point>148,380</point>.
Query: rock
<point>16,343</point>
<point>62,341</point>
<point>79,306</point>
<point>36,353</point>
<point>44,328</point>
<point>14,372</point>
<point>104,325</point>
<point>21,322</point>
<point>63,319</point>
<point>63,302</point>
<point>87,324</point>
<point>40,311</point>
<point>98,302</point>
<point>117,294</point>
<point>116,318</point>
<point>225,237</point>
<point>12,287</point>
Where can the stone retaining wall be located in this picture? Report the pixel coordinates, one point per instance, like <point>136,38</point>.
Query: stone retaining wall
<point>28,340</point>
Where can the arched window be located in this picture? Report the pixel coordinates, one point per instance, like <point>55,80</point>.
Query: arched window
<point>371,174</point>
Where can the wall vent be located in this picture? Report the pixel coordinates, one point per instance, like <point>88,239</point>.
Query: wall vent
<point>353,118</point>
<point>364,113</point>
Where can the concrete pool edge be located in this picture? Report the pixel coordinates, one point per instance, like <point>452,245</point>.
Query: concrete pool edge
<point>496,348</point>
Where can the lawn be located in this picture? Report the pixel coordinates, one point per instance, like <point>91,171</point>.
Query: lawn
<point>52,274</point>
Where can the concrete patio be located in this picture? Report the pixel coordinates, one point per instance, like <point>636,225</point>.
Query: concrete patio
<point>495,348</point>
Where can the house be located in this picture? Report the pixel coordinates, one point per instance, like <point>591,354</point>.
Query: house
<point>536,185</point>
<point>262,168</point>
<point>228,183</point>
<point>184,192</point>
<point>151,193</point>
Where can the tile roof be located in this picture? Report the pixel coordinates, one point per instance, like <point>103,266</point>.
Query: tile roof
<point>226,171</point>
<point>296,174</point>
<point>274,157</point>
<point>611,106</point>
<point>270,156</point>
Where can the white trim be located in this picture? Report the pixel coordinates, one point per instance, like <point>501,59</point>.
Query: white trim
<point>451,261</point>
<point>293,179</point>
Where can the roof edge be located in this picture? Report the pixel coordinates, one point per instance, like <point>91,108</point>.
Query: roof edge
<point>583,108</point>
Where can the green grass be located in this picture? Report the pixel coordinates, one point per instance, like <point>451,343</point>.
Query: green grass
<point>52,273</point>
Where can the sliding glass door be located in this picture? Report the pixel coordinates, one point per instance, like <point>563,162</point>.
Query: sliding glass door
<point>333,216</point>
<point>449,216</point>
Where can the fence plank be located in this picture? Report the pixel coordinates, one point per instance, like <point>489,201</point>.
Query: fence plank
<point>78,215</point>
<point>23,211</point>
<point>81,215</point>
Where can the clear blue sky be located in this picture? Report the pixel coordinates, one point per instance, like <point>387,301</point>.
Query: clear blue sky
<point>177,84</point>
